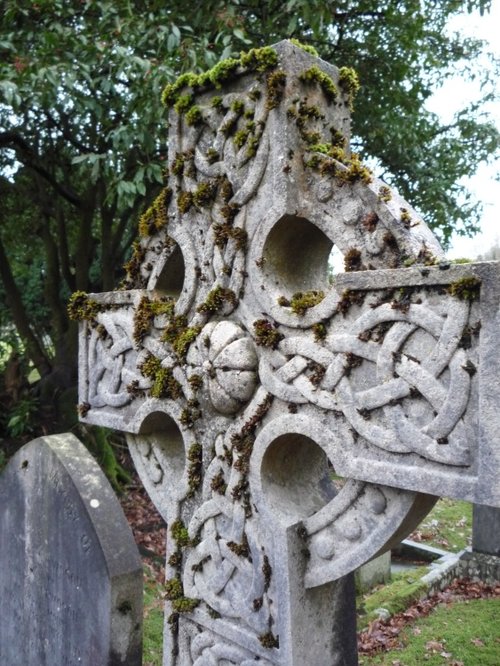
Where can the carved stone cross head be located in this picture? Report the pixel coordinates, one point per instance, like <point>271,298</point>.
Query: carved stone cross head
<point>249,380</point>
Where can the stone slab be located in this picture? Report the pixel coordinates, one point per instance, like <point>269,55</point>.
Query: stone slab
<point>486,530</point>
<point>70,572</point>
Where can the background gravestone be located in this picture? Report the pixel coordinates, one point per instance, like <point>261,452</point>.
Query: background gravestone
<point>70,573</point>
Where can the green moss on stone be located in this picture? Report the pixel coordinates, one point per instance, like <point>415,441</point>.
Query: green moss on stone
<point>316,75</point>
<point>466,289</point>
<point>194,116</point>
<point>216,299</point>
<point>305,47</point>
<point>266,334</point>
<point>83,308</point>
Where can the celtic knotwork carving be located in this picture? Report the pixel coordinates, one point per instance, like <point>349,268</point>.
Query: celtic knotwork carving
<point>303,371</point>
<point>208,647</point>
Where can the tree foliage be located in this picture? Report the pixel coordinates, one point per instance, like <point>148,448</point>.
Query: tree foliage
<point>83,133</point>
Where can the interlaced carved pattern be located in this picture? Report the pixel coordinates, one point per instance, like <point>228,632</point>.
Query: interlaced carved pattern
<point>375,413</point>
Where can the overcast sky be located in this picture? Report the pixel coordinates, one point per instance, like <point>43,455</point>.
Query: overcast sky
<point>450,98</point>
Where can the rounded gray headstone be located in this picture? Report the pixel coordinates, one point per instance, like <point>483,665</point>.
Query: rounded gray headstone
<point>70,572</point>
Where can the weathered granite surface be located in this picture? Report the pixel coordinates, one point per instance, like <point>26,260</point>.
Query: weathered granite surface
<point>244,377</point>
<point>70,574</point>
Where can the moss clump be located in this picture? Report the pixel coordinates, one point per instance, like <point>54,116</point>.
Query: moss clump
<point>356,171</point>
<point>305,47</point>
<point>83,409</point>
<point>189,416</point>
<point>267,334</point>
<point>205,193</point>
<point>216,300</point>
<point>348,299</point>
<point>269,640</point>
<point>171,91</point>
<point>238,107</point>
<point>259,60</point>
<point>223,232</point>
<point>175,594</point>
<point>184,201</point>
<point>241,136</point>
<point>83,308</point>
<point>218,483</point>
<point>195,459</point>
<point>212,156</point>
<point>352,260</point>
<point>156,216</point>
<point>196,382</point>
<point>164,383</point>
<point>145,313</point>
<point>241,549</point>
<point>216,103</point>
<point>183,103</point>
<point>173,589</point>
<point>316,75</point>
<point>133,267</point>
<point>184,339</point>
<point>180,534</point>
<point>225,189</point>
<point>194,116</point>
<point>275,86</point>
<point>349,83</point>
<point>223,71</point>
<point>319,330</point>
<point>370,221</point>
<point>185,605</point>
<point>384,193</point>
<point>183,163</point>
<point>466,289</point>
<point>405,218</point>
<point>303,301</point>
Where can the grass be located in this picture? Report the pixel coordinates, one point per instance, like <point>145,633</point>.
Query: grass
<point>461,634</point>
<point>396,596</point>
<point>152,640</point>
<point>448,526</point>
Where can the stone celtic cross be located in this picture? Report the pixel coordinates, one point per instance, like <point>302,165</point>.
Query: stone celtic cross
<point>247,379</point>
